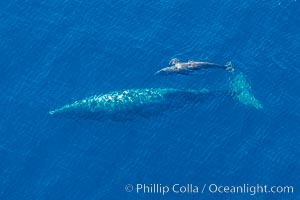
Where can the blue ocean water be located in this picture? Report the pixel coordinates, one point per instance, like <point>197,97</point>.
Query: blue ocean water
<point>55,52</point>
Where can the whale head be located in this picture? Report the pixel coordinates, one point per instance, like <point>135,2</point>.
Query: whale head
<point>167,71</point>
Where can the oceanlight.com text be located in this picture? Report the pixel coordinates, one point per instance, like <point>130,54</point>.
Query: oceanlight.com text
<point>250,189</point>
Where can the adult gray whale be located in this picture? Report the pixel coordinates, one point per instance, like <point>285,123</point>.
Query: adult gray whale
<point>190,67</point>
<point>128,104</point>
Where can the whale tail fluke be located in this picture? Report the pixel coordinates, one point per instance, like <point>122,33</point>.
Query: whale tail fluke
<point>241,90</point>
<point>229,67</point>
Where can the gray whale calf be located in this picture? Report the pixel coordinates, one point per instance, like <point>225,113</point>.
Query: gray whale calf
<point>128,104</point>
<point>190,67</point>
